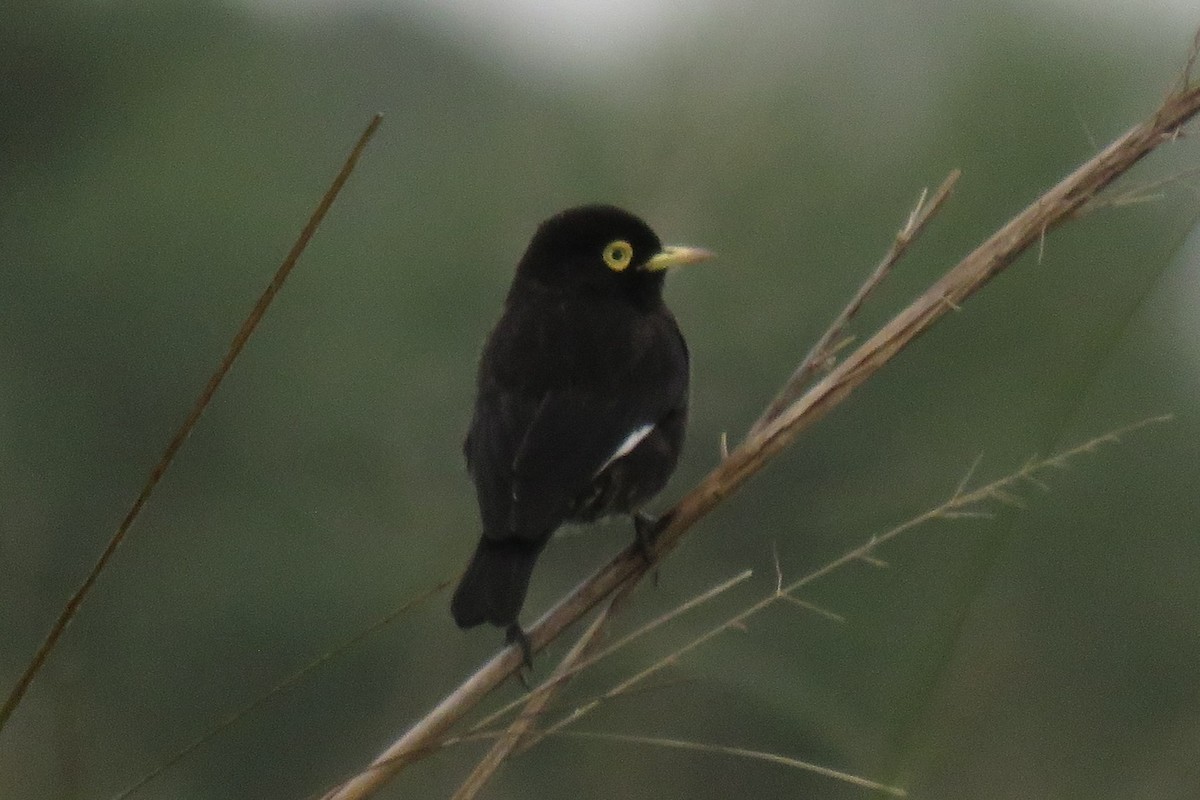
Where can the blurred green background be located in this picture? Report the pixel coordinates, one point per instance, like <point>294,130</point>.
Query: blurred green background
<point>156,162</point>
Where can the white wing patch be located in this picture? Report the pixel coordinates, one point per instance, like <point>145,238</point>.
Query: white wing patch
<point>631,441</point>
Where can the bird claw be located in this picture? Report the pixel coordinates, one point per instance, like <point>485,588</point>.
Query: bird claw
<point>645,532</point>
<point>514,634</point>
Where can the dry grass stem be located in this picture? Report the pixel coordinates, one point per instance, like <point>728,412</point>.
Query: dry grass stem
<point>820,611</point>
<point>1143,193</point>
<point>621,643</point>
<point>739,752</point>
<point>958,505</point>
<point>283,685</point>
<point>626,569</point>
<point>189,423</point>
<point>583,653</point>
<point>1185,80</point>
<point>701,747</point>
<point>536,704</point>
<point>733,623</point>
<point>821,355</point>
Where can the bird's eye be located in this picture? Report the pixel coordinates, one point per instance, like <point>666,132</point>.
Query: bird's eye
<point>618,254</point>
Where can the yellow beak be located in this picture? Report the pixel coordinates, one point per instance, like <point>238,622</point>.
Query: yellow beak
<point>675,256</point>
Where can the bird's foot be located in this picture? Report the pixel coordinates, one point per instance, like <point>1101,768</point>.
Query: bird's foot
<point>514,634</point>
<point>645,532</point>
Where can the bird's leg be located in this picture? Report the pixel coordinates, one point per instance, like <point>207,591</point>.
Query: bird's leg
<point>514,634</point>
<point>645,531</point>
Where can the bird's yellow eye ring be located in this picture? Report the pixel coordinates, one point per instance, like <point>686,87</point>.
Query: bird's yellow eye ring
<point>618,255</point>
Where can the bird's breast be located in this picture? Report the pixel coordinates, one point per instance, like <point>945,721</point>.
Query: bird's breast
<point>543,346</point>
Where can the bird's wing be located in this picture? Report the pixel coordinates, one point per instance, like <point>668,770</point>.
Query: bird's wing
<point>499,425</point>
<point>531,455</point>
<point>573,436</point>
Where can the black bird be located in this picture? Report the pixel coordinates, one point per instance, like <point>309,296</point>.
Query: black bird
<point>581,402</point>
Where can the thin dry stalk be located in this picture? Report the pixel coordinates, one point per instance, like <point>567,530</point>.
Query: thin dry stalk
<point>189,423</point>
<point>627,685</point>
<point>620,644</point>
<point>584,650</point>
<point>961,504</point>
<point>1053,208</point>
<point>535,705</point>
<point>233,717</point>
<point>739,752</point>
<point>702,747</point>
<point>580,656</point>
<point>1144,193</point>
<point>821,355</point>
<point>1185,80</point>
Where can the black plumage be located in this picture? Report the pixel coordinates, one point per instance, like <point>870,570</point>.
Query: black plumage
<point>582,398</point>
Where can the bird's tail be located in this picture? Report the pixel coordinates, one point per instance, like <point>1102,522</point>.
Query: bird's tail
<point>494,585</point>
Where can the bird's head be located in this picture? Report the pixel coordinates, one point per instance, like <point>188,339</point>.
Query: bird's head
<point>600,248</point>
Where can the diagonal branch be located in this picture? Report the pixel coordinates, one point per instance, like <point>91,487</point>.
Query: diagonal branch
<point>562,675</point>
<point>821,354</point>
<point>534,707</point>
<point>962,503</point>
<point>1046,213</point>
<point>189,423</point>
